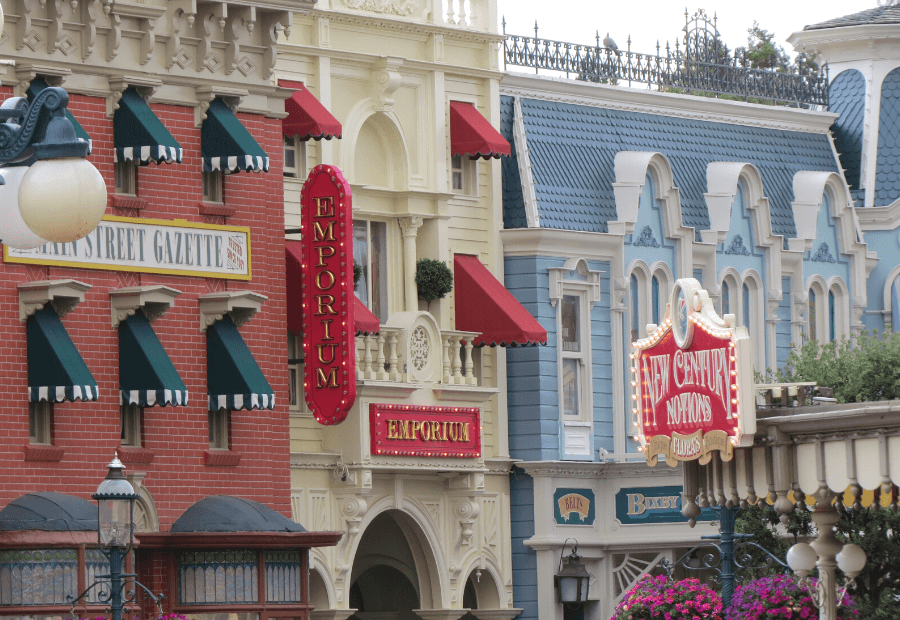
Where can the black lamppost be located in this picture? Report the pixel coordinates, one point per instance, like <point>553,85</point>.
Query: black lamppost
<point>115,534</point>
<point>115,527</point>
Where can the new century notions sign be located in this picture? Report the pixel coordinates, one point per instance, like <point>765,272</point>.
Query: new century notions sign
<point>692,382</point>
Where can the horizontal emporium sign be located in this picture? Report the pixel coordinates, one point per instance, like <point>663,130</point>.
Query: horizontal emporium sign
<point>637,506</point>
<point>574,506</point>
<point>415,430</point>
<point>173,247</point>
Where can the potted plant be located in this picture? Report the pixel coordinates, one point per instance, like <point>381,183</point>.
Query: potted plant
<point>433,279</point>
<point>660,598</point>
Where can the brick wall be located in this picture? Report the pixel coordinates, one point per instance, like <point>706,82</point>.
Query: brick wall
<point>89,432</point>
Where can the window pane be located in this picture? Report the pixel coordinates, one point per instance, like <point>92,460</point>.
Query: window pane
<point>290,160</point>
<point>726,299</point>
<point>748,319</point>
<point>378,269</point>
<point>571,322</point>
<point>635,310</point>
<point>217,577</point>
<point>831,322</point>
<point>812,315</point>
<point>361,257</point>
<point>570,388</point>
<point>655,297</point>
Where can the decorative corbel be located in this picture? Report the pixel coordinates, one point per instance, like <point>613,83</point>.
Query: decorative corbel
<point>153,300</point>
<point>148,40</point>
<point>25,9</point>
<point>619,294</point>
<point>210,18</point>
<point>466,513</point>
<point>273,23</point>
<point>205,94</point>
<point>118,84</point>
<point>25,73</point>
<point>558,276</point>
<point>114,38</point>
<point>88,27</point>
<point>184,13</point>
<point>63,295</point>
<point>385,81</point>
<point>240,305</point>
<point>773,302</point>
<point>799,308</point>
<point>240,18</point>
<point>54,25</point>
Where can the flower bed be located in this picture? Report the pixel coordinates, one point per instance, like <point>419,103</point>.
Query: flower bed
<point>780,598</point>
<point>658,598</point>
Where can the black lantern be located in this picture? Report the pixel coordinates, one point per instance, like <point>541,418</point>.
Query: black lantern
<point>115,518</point>
<point>572,580</point>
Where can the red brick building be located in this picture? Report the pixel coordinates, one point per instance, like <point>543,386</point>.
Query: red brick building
<point>174,307</point>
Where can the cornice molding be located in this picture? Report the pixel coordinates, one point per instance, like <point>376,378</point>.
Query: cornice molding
<point>562,243</point>
<point>666,104</point>
<point>399,25</point>
<point>879,218</point>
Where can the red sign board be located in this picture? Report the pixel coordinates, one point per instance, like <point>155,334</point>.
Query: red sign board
<point>329,339</point>
<point>691,377</point>
<point>414,430</point>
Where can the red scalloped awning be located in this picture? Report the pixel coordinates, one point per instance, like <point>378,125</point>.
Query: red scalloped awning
<point>472,135</point>
<point>484,305</point>
<point>366,322</point>
<point>307,117</point>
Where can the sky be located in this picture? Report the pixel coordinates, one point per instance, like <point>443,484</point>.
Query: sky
<point>577,21</point>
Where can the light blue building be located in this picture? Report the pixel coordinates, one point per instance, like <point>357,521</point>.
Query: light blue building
<point>614,193</point>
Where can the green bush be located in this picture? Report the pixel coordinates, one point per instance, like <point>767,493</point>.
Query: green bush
<point>357,274</point>
<point>433,279</point>
<point>867,370</point>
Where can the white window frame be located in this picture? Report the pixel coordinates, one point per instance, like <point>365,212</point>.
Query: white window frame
<point>755,323</point>
<point>40,423</point>
<point>130,419</point>
<point>582,357</point>
<point>821,307</point>
<point>643,304</point>
<point>296,146</point>
<point>219,422</point>
<point>463,175</point>
<point>212,186</point>
<point>125,178</point>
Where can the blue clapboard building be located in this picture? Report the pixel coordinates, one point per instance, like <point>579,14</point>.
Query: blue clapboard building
<point>789,215</point>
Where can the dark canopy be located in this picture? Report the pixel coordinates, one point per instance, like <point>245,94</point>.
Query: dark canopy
<point>224,513</point>
<point>49,512</point>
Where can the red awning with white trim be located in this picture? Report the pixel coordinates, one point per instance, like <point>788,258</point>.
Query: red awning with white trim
<point>484,305</point>
<point>307,117</point>
<point>472,135</point>
<point>366,322</point>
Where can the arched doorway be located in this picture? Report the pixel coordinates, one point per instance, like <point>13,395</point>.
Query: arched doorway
<point>392,570</point>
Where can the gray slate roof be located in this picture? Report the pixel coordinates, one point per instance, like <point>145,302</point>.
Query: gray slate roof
<point>49,512</point>
<point>879,15</point>
<point>573,149</point>
<point>846,96</point>
<point>224,513</point>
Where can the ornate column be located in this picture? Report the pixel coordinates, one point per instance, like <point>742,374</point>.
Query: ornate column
<point>827,547</point>
<point>410,227</point>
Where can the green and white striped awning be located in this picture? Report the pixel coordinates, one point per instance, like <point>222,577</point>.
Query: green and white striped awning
<point>233,376</point>
<point>227,145</point>
<point>140,136</point>
<point>56,370</point>
<point>147,376</point>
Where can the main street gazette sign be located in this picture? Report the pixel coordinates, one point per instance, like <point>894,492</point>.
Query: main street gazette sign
<point>692,382</point>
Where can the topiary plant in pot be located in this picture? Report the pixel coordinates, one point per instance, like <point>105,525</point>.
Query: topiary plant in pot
<point>433,279</point>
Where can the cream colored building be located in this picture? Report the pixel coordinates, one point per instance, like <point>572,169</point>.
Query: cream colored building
<point>422,533</point>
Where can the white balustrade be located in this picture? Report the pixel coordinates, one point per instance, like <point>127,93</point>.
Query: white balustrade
<point>470,14</point>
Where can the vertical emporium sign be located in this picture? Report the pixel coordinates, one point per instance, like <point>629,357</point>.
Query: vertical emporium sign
<point>329,339</point>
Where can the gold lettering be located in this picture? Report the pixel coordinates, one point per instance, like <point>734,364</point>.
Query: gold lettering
<point>325,301</point>
<point>327,325</point>
<point>464,436</point>
<point>321,251</point>
<point>444,430</point>
<point>435,431</point>
<point>324,234</point>
<point>404,429</point>
<point>326,381</point>
<point>321,348</point>
<point>319,284</point>
<point>454,431</point>
<point>392,429</point>
<point>426,431</point>
<point>324,206</point>
<point>414,429</point>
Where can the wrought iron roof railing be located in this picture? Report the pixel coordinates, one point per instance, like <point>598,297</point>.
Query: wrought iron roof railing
<point>702,66</point>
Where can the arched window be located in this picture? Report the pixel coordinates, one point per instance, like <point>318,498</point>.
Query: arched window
<point>832,335</point>
<point>726,298</point>
<point>635,310</point>
<point>748,317</point>
<point>655,300</point>
<point>812,315</point>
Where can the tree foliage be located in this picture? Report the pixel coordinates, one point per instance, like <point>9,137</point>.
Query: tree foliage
<point>762,51</point>
<point>868,371</point>
<point>878,585</point>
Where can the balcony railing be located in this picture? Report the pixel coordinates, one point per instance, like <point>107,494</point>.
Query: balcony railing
<point>700,66</point>
<point>379,357</point>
